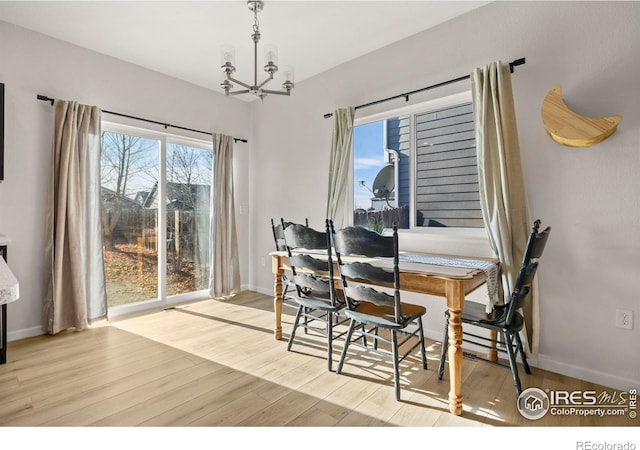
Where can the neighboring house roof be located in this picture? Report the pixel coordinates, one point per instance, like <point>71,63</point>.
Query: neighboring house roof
<point>142,196</point>
<point>108,197</point>
<point>181,196</point>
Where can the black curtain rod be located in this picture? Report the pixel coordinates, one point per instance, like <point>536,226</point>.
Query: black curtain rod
<point>517,62</point>
<point>166,125</point>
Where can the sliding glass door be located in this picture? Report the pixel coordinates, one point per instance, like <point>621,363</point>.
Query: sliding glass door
<point>155,214</point>
<point>129,170</point>
<point>188,187</point>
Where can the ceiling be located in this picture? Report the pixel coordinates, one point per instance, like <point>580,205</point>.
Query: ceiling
<point>182,39</point>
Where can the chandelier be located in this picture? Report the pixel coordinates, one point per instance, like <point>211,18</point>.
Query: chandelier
<point>271,66</point>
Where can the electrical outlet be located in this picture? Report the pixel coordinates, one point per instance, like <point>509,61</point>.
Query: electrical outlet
<point>624,319</point>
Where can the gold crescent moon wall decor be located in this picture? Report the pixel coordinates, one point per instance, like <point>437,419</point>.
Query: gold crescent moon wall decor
<point>571,129</point>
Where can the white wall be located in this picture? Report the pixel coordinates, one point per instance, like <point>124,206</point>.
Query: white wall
<point>32,64</point>
<point>591,197</point>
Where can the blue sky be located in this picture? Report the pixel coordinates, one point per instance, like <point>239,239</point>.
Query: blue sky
<point>368,159</point>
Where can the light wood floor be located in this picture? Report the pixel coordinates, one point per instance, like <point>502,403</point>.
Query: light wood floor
<point>214,363</point>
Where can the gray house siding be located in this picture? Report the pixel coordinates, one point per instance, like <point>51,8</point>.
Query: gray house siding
<point>447,190</point>
<point>398,139</point>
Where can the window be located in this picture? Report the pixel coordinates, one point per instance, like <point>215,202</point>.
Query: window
<point>155,206</point>
<point>188,206</point>
<point>417,167</point>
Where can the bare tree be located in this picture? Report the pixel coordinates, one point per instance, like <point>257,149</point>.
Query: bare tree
<point>123,158</point>
<point>188,170</point>
<point>188,166</point>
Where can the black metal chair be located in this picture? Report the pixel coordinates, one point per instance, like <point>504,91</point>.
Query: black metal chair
<point>371,309</point>
<point>505,320</point>
<point>311,264</point>
<point>278,237</point>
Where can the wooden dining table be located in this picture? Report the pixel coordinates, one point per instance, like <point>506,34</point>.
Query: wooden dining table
<point>443,282</point>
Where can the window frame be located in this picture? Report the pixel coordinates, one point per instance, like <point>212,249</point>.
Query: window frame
<point>164,138</point>
<point>449,240</point>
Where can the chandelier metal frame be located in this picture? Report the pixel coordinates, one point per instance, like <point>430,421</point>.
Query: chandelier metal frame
<point>270,67</point>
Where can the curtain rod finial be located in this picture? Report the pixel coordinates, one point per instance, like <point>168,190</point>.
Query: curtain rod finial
<point>45,98</point>
<point>517,62</point>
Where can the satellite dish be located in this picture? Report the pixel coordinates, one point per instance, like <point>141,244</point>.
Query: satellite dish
<point>384,184</point>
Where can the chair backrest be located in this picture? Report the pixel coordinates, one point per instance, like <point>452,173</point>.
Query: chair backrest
<point>278,233</point>
<point>309,253</point>
<point>533,251</point>
<point>352,245</point>
<point>536,243</point>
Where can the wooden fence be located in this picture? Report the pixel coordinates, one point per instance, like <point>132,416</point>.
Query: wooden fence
<point>377,220</point>
<point>187,233</point>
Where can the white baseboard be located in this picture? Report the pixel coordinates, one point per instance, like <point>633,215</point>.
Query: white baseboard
<point>583,373</point>
<point>264,291</point>
<point>24,333</point>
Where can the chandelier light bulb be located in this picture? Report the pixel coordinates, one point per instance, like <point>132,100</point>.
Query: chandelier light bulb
<point>228,59</point>
<point>271,59</point>
<point>228,54</point>
<point>289,81</point>
<point>270,54</point>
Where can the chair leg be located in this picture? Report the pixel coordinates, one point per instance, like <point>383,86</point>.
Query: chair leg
<point>523,355</point>
<point>330,339</point>
<point>362,335</point>
<point>513,364</point>
<point>295,325</point>
<point>346,346</point>
<point>286,287</point>
<point>375,339</point>
<point>422,349</point>
<point>396,374</point>
<point>443,351</point>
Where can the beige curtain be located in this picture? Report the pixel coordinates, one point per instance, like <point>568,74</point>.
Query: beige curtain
<point>502,193</point>
<point>340,164</point>
<point>224,279</point>
<point>76,289</point>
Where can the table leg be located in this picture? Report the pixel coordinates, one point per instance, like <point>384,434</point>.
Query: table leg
<point>277,297</point>
<point>492,354</point>
<point>455,303</point>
